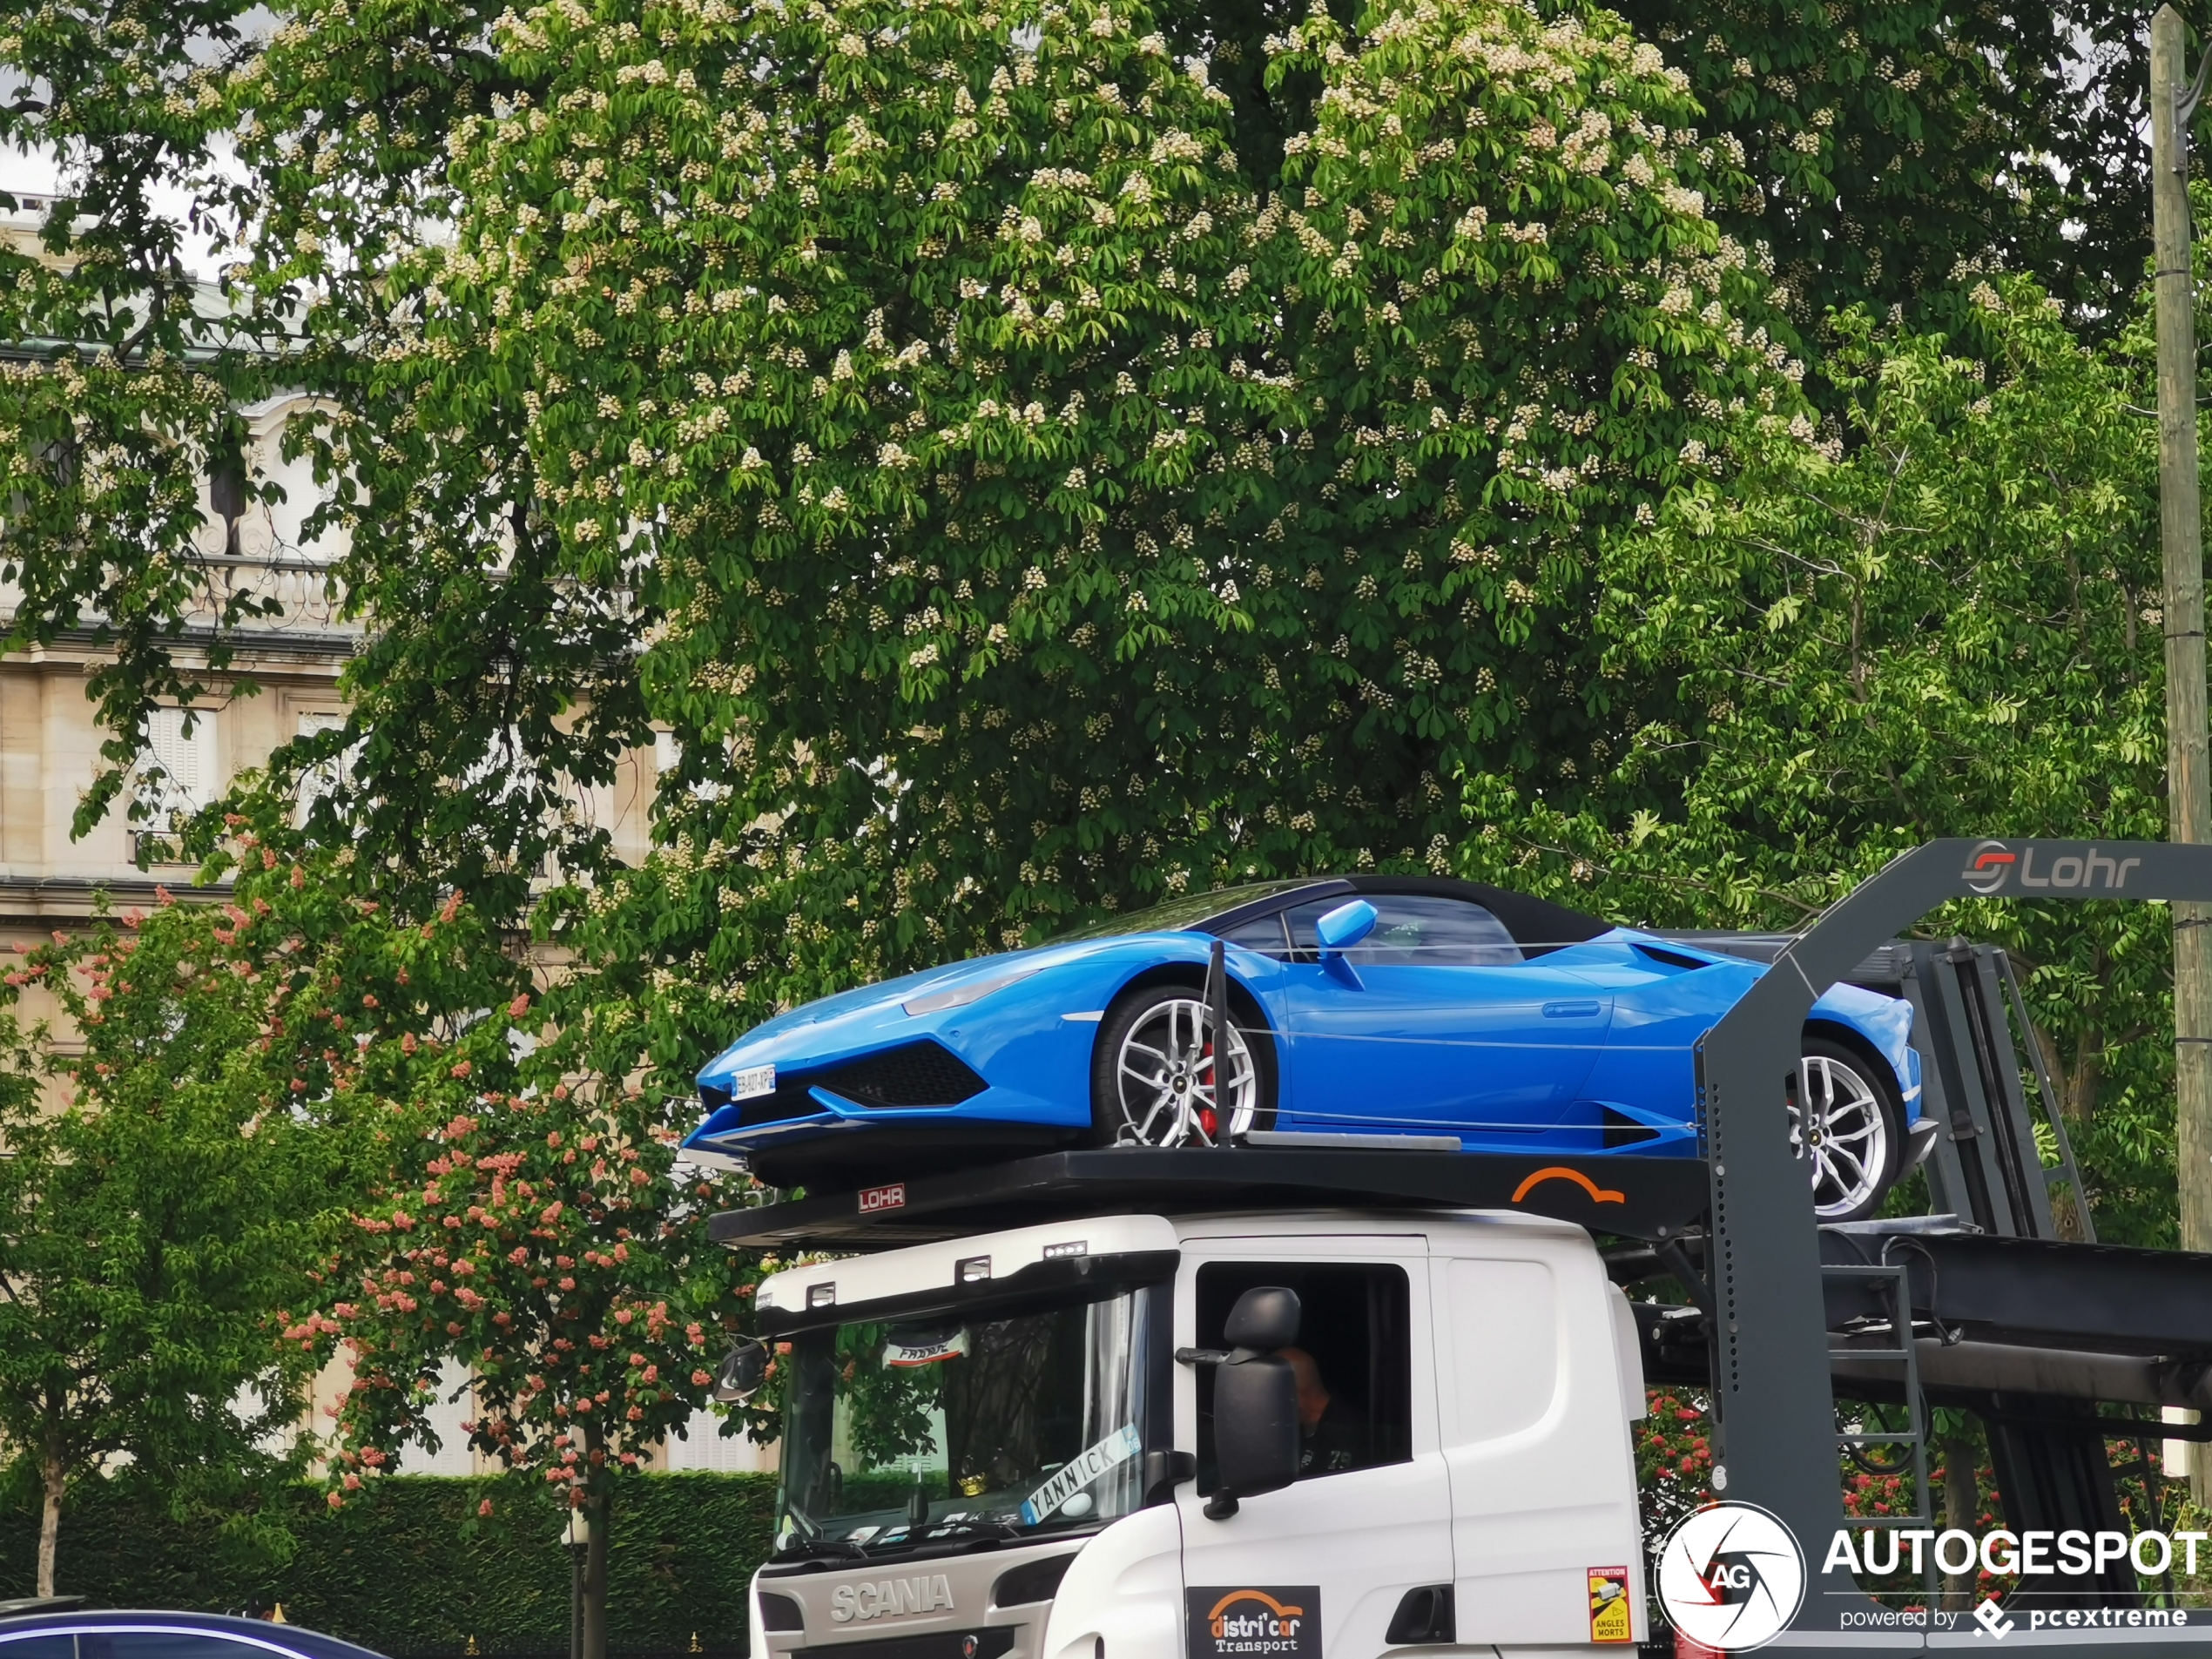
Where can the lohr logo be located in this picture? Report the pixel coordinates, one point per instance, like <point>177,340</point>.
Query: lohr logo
<point>1731,1577</point>
<point>891,1598</point>
<point>1986,870</point>
<point>1278,1621</point>
<point>1993,865</point>
<point>887,1197</point>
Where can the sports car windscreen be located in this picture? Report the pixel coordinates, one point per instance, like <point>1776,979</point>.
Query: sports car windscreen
<point>903,1434</point>
<point>1174,914</point>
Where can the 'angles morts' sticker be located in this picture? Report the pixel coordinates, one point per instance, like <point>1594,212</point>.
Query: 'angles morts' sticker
<point>1611,1619</point>
<point>1255,1622</point>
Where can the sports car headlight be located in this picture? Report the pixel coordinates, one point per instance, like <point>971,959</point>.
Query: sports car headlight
<point>959,996</point>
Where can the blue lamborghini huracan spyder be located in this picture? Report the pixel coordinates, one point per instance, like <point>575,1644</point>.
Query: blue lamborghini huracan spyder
<point>1366,1005</point>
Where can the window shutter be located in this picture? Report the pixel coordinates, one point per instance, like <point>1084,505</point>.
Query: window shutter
<point>186,760</point>
<point>320,781</point>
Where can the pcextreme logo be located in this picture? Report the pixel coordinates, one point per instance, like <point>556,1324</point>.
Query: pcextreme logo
<point>1992,865</point>
<point>1270,1622</point>
<point>1731,1577</point>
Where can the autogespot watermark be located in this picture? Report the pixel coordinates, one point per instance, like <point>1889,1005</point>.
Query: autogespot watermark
<point>1879,1552</point>
<point>1731,1577</point>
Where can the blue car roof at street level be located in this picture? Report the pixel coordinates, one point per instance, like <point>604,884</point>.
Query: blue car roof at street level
<point>276,1640</point>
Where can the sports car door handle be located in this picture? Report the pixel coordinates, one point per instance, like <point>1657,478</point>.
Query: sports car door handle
<point>1572,1010</point>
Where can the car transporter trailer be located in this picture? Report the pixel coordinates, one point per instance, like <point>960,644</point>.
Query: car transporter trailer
<point>1983,1308</point>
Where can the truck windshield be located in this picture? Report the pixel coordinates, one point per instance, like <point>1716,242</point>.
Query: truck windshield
<point>897,1435</point>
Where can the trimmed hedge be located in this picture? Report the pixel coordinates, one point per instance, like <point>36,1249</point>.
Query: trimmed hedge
<point>415,1572</point>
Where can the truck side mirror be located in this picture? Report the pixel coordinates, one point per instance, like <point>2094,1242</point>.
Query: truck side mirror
<point>1255,1398</point>
<point>1255,1430</point>
<point>742,1370</point>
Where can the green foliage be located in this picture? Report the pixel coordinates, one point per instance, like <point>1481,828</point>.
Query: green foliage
<point>417,1571</point>
<point>163,1204</point>
<point>1948,626</point>
<point>1673,1452</point>
<point>1524,331</point>
<point>1888,145</point>
<point>1893,145</point>
<point>965,416</point>
<point>491,407</point>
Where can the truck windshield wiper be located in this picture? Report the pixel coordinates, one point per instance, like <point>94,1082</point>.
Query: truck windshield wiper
<point>806,1548</point>
<point>985,1528</point>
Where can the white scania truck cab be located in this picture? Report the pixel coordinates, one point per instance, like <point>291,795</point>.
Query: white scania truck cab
<point>1116,1436</point>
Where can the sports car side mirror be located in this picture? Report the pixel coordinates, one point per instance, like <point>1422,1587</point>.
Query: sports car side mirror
<point>1344,927</point>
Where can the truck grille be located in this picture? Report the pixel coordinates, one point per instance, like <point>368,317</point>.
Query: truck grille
<point>948,1645</point>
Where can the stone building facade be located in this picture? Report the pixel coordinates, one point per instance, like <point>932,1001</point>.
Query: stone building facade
<point>51,739</point>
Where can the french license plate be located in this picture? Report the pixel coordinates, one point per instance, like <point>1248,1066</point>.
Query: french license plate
<point>754,1082</point>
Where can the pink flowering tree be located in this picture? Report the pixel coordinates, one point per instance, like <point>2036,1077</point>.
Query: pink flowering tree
<point>185,1096</point>
<point>538,1226</point>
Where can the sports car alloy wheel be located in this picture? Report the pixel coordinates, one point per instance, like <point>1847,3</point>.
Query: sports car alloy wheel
<point>1164,1085</point>
<point>1850,1142</point>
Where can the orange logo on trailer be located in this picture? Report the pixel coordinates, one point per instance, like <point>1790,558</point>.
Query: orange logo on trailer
<point>1560,1172</point>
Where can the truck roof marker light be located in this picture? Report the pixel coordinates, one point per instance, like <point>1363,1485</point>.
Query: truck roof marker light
<point>1560,1172</point>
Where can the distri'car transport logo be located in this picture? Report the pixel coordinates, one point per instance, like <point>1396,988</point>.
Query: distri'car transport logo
<point>1731,1577</point>
<point>1991,864</point>
<point>1253,1621</point>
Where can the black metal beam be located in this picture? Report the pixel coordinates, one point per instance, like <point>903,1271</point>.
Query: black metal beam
<point>1626,1196</point>
<point>1771,1380</point>
<point>2099,1299</point>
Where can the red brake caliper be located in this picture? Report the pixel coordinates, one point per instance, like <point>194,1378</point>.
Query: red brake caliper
<point>1207,1120</point>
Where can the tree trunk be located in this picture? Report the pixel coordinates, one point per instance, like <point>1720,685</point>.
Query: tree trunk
<point>53,1473</point>
<point>2076,1082</point>
<point>600,1509</point>
<point>1962,1510</point>
<point>2189,790</point>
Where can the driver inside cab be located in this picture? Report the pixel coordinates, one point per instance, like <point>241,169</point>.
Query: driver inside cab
<point>1331,1438</point>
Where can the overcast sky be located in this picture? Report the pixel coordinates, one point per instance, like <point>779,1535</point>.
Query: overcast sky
<point>34,172</point>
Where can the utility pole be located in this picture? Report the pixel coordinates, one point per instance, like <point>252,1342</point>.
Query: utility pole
<point>2188,806</point>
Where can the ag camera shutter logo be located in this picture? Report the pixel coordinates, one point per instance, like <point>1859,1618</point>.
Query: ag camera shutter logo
<point>1731,1577</point>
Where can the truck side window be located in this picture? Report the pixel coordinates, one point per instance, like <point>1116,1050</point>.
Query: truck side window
<point>1353,1359</point>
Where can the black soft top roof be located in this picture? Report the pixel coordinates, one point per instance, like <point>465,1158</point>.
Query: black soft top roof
<point>1535,924</point>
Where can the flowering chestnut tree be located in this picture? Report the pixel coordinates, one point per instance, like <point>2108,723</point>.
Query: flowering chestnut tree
<point>1021,515</point>
<point>536,1225</point>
